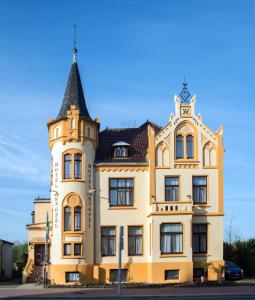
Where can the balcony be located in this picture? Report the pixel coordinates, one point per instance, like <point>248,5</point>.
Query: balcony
<point>158,208</point>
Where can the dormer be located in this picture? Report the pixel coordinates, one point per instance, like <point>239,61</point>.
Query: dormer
<point>120,149</point>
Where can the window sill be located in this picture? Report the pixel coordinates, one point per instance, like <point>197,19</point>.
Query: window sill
<point>73,232</point>
<point>139,255</point>
<point>172,255</point>
<point>201,205</point>
<point>200,255</point>
<point>72,257</point>
<point>73,180</point>
<point>186,160</point>
<point>121,207</point>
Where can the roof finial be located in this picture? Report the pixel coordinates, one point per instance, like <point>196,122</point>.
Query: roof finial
<point>185,94</point>
<point>74,45</point>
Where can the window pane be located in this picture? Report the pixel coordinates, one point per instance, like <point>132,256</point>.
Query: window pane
<point>72,277</point>
<point>77,249</point>
<point>114,275</point>
<point>172,181</point>
<point>111,246</point>
<point>113,197</point>
<point>68,166</point>
<point>77,218</point>
<point>190,146</point>
<point>67,249</point>
<point>113,182</point>
<point>179,147</point>
<point>171,274</point>
<point>175,228</point>
<point>67,218</point>
<point>121,182</point>
<point>199,180</point>
<point>77,166</point>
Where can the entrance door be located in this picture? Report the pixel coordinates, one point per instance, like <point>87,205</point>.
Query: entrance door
<point>39,254</point>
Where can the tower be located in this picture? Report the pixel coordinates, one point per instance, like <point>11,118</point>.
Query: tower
<point>73,138</point>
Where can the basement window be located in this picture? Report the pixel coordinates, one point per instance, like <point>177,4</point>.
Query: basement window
<point>114,275</point>
<point>72,277</point>
<point>171,274</point>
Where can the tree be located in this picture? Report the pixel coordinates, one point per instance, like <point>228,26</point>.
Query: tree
<point>19,255</point>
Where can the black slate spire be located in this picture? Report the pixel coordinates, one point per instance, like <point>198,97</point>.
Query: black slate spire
<point>74,92</point>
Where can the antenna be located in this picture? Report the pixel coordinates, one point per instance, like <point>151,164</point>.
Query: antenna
<point>74,44</point>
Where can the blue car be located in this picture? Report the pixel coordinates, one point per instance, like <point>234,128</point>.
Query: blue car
<point>232,271</point>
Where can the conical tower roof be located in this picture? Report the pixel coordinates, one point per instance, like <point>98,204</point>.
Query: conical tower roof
<point>74,93</point>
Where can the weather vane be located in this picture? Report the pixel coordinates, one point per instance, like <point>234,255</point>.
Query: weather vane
<point>74,44</point>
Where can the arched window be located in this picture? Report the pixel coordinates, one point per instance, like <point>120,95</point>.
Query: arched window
<point>67,166</point>
<point>77,218</point>
<point>72,123</point>
<point>190,146</point>
<point>77,166</point>
<point>179,147</point>
<point>67,218</point>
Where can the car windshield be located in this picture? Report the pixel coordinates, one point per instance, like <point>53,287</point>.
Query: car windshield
<point>230,264</point>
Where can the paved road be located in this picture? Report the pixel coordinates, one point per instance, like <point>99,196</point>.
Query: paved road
<point>218,297</point>
<point>181,293</point>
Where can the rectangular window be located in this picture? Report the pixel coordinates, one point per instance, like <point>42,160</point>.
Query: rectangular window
<point>114,275</point>
<point>108,241</point>
<point>77,249</point>
<point>171,238</point>
<point>199,238</point>
<point>67,249</point>
<point>135,240</point>
<point>171,274</point>
<point>72,276</point>
<point>67,166</point>
<point>199,189</point>
<point>172,189</point>
<point>77,166</point>
<point>121,192</point>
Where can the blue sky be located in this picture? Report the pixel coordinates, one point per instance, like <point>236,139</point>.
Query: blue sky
<point>132,56</point>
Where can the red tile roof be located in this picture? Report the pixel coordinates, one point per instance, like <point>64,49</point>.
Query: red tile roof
<point>136,137</point>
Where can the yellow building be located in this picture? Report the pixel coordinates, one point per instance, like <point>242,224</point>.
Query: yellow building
<point>164,185</point>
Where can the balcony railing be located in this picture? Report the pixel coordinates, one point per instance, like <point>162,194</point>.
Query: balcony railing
<point>172,207</point>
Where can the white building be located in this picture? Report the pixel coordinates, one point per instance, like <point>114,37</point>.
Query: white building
<point>163,184</point>
<point>5,259</point>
